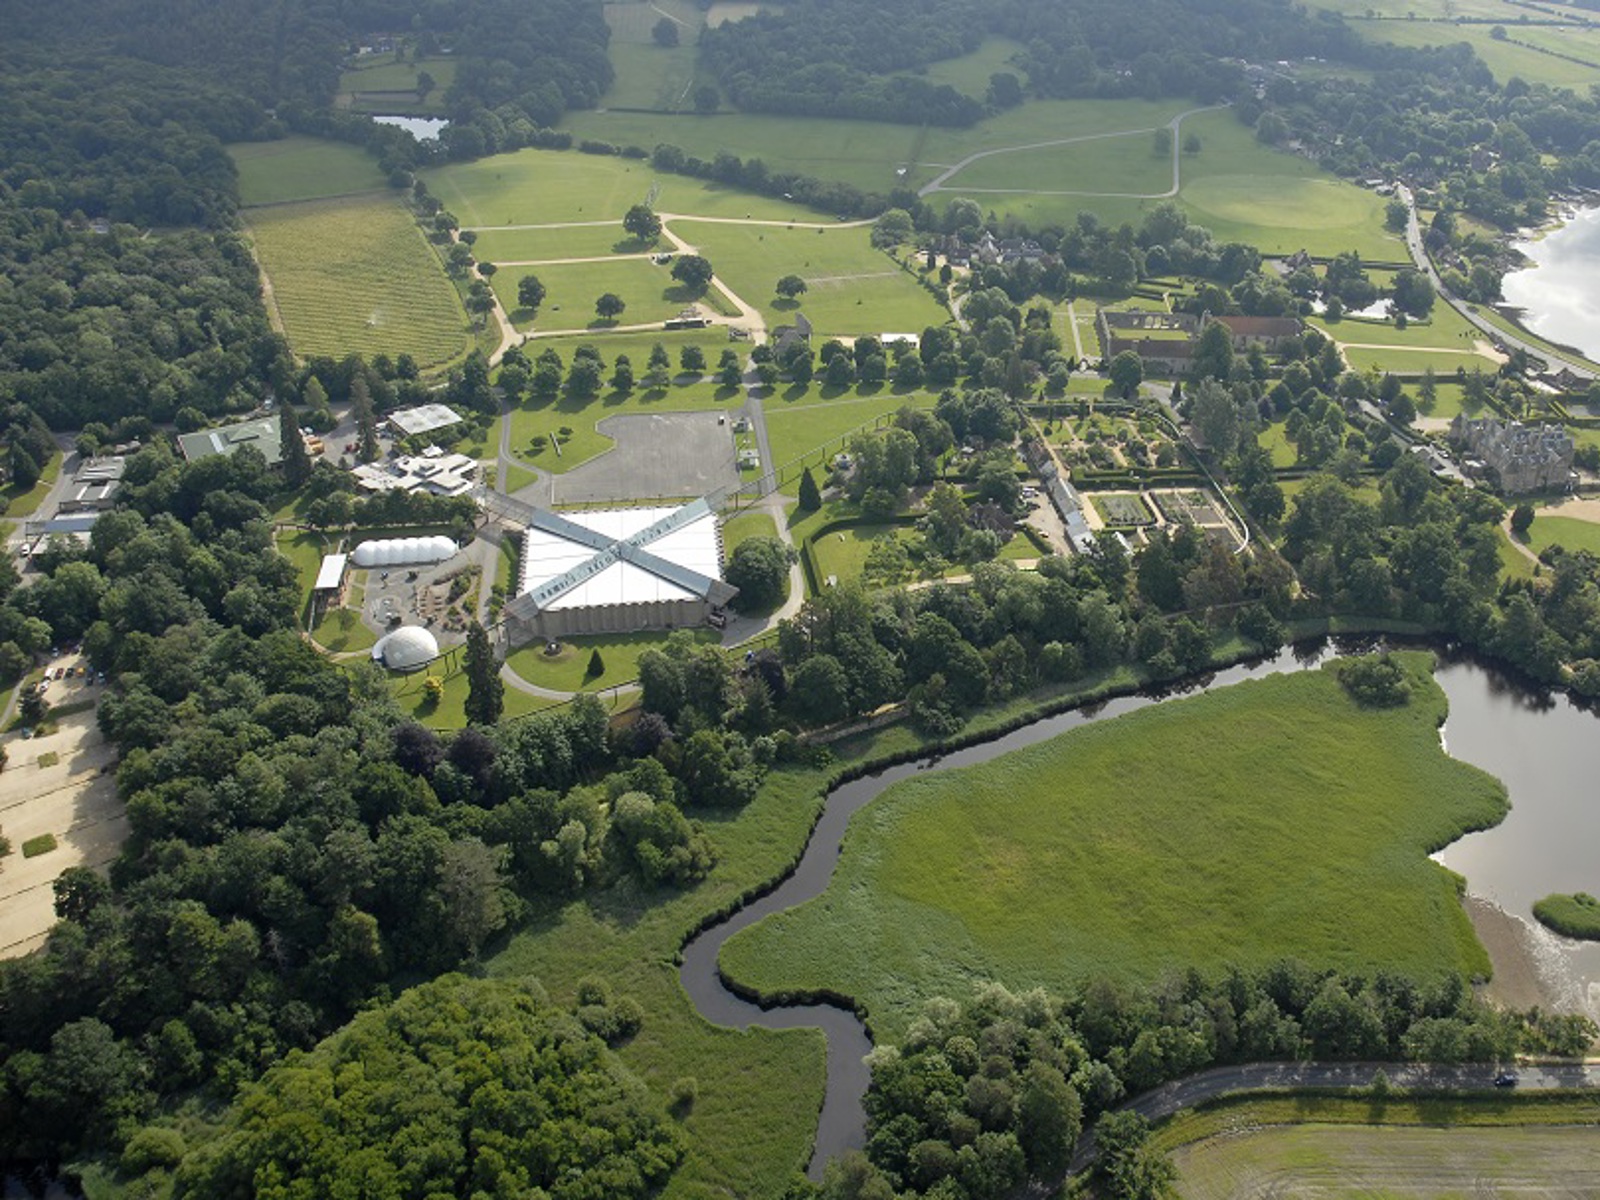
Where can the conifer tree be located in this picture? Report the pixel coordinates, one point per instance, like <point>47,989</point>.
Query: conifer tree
<point>810,497</point>
<point>296,462</point>
<point>485,692</point>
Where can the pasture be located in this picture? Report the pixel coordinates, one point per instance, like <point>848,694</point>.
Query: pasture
<point>853,288</point>
<point>538,187</point>
<point>358,276</point>
<point>649,290</point>
<point>1353,1162</point>
<point>302,168</point>
<point>1113,164</point>
<point>1504,58</point>
<point>502,246</point>
<point>1088,855</point>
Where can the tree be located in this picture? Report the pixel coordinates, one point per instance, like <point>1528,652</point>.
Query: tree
<point>792,286</point>
<point>530,293</point>
<point>810,497</point>
<point>425,84</point>
<point>641,222</point>
<point>707,98</point>
<point>893,227</point>
<point>366,420</point>
<point>597,665</point>
<point>1162,142</point>
<point>1191,143</point>
<point>820,694</point>
<point>1396,216</point>
<point>295,461</point>
<point>1127,373</point>
<point>485,691</point>
<point>1215,416</point>
<point>759,568</point>
<point>1522,519</point>
<point>693,271</point>
<point>692,359</point>
<point>609,306</point>
<point>664,32</point>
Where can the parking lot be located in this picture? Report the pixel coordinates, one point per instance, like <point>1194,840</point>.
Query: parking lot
<point>657,456</point>
<point>57,784</point>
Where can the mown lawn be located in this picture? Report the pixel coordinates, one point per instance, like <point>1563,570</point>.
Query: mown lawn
<point>1298,826</point>
<point>357,276</point>
<point>503,246</point>
<point>19,501</point>
<point>535,187</point>
<point>853,288</point>
<point>744,526</point>
<point>1570,533</point>
<point>648,290</point>
<point>568,669</point>
<point>1116,163</point>
<point>302,168</point>
<point>812,430</point>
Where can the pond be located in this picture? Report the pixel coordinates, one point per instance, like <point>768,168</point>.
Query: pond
<point>1560,294</point>
<point>1545,748</point>
<point>424,129</point>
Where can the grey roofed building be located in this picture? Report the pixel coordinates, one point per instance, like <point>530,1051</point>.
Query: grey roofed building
<point>94,485</point>
<point>424,418</point>
<point>1523,458</point>
<point>262,433</point>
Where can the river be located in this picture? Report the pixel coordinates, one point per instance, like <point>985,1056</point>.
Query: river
<point>424,129</point>
<point>1560,293</point>
<point>1543,747</point>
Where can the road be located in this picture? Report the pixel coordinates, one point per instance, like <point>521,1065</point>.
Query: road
<point>1184,1093</point>
<point>1494,332</point>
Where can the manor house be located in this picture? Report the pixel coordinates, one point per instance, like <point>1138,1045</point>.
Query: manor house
<point>1521,458</point>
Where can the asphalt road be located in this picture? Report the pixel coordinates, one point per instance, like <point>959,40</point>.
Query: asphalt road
<point>1493,332</point>
<point>1184,1093</point>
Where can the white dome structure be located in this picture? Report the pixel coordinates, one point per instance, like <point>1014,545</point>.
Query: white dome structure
<point>403,552</point>
<point>409,648</point>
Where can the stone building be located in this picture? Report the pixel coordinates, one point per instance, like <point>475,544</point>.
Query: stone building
<point>1519,458</point>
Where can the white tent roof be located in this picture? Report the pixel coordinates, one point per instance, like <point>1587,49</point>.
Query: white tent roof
<point>399,552</point>
<point>547,555</point>
<point>331,574</point>
<point>406,649</point>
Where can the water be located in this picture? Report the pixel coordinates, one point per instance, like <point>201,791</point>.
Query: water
<point>424,129</point>
<point>1545,749</point>
<point>1560,294</point>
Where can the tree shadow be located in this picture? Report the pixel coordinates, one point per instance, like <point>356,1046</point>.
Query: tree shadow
<point>725,393</point>
<point>602,323</point>
<point>783,304</point>
<point>796,392</point>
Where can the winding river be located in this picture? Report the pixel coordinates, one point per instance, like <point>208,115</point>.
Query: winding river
<point>1545,748</point>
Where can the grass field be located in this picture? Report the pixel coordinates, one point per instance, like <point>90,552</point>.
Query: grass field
<point>814,430</point>
<point>382,85</point>
<point>744,526</point>
<point>537,245</point>
<point>537,187</point>
<point>451,711</point>
<point>357,276</point>
<point>1282,450</point>
<point>1352,1162</point>
<point>341,630</point>
<point>19,501</point>
<point>1125,163</point>
<point>1570,533</point>
<point>568,670</point>
<point>649,291</point>
<point>970,73</point>
<point>302,168</point>
<point>854,289</point>
<point>1088,854</point>
<point>1504,59</point>
<point>653,77</point>
<point>1513,563</point>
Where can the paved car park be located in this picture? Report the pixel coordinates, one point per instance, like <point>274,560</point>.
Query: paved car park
<point>657,455</point>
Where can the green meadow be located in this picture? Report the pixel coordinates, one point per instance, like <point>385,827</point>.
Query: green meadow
<point>810,428</point>
<point>302,168</point>
<point>649,291</point>
<point>383,85</point>
<point>538,187</point>
<point>853,289</point>
<point>358,276</point>
<point>568,669</point>
<point>1115,163</point>
<point>503,246</point>
<point>1504,58</point>
<point>1570,533</point>
<point>1299,826</point>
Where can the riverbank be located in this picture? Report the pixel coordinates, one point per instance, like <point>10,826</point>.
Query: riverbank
<point>1559,294</point>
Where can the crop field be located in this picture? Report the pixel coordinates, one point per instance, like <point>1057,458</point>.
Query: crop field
<point>1090,855</point>
<point>503,246</point>
<point>357,276</point>
<point>1345,1162</point>
<point>1504,59</point>
<point>538,187</point>
<point>302,168</point>
<point>649,290</point>
<point>853,289</point>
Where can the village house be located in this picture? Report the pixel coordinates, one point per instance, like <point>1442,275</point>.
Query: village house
<point>1247,333</point>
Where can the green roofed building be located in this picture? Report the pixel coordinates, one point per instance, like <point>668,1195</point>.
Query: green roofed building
<point>262,433</point>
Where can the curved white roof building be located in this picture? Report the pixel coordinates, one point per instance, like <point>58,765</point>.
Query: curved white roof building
<point>408,648</point>
<point>403,552</point>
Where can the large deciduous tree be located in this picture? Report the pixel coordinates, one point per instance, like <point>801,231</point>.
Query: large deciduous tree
<point>641,222</point>
<point>694,271</point>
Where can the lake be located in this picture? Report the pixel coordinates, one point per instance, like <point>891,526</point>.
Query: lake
<point>1560,294</point>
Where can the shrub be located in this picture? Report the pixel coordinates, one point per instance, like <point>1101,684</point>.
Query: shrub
<point>597,665</point>
<point>36,846</point>
<point>152,1147</point>
<point>1375,680</point>
<point>685,1090</point>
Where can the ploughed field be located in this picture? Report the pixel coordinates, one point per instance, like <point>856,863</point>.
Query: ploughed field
<point>1268,820</point>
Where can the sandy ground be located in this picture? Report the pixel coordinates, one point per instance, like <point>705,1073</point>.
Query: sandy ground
<point>71,799</point>
<point>1583,508</point>
<point>1517,982</point>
